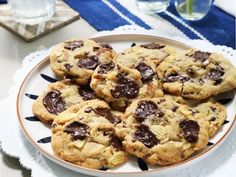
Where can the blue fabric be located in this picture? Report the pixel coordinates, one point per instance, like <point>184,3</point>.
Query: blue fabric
<point>217,26</point>
<point>97,14</point>
<point>3,1</point>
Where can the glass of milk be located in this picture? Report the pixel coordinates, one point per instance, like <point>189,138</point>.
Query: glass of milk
<point>32,12</point>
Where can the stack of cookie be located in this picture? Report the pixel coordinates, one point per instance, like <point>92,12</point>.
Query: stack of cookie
<point>148,101</point>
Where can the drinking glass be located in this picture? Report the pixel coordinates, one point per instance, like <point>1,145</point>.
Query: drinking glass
<point>32,11</point>
<point>193,9</point>
<point>153,6</point>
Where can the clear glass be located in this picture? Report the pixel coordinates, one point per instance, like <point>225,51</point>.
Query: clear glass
<point>32,11</point>
<point>193,9</point>
<point>153,6</point>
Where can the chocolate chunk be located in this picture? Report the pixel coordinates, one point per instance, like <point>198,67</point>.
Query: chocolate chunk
<point>105,45</point>
<point>77,130</point>
<point>105,112</point>
<point>213,119</point>
<point>68,66</point>
<point>89,62</point>
<point>87,93</point>
<point>191,72</point>
<point>213,108</point>
<point>190,129</point>
<point>161,101</point>
<point>53,102</point>
<point>175,77</point>
<point>146,71</point>
<point>145,109</point>
<point>201,56</point>
<point>125,88</point>
<point>215,74</point>
<point>144,135</point>
<point>175,108</point>
<point>95,48</point>
<point>72,45</point>
<point>116,143</point>
<point>218,81</point>
<point>153,46</point>
<point>104,68</point>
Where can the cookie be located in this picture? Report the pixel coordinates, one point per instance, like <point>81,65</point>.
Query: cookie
<point>84,135</point>
<point>162,131</point>
<point>214,112</point>
<point>120,84</point>
<point>58,97</point>
<point>155,52</point>
<point>77,59</point>
<point>197,75</point>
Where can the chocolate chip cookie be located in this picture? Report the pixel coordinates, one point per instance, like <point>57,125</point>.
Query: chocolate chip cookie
<point>196,74</point>
<point>214,112</point>
<point>162,131</point>
<point>77,59</point>
<point>154,51</point>
<point>58,97</point>
<point>84,135</point>
<point>121,84</point>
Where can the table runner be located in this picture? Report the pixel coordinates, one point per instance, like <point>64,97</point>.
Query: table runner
<point>217,27</point>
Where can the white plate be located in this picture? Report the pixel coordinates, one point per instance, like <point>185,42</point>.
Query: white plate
<point>39,133</point>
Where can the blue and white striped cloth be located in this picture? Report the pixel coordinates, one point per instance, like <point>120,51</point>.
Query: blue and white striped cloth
<point>217,27</point>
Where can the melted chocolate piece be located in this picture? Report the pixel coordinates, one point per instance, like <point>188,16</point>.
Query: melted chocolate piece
<point>104,68</point>
<point>190,129</point>
<point>105,112</point>
<point>125,88</point>
<point>145,109</point>
<point>146,71</point>
<point>191,72</point>
<point>213,119</point>
<point>153,46</point>
<point>105,45</point>
<point>72,45</point>
<point>89,62</point>
<point>53,102</point>
<point>214,74</point>
<point>175,108</point>
<point>68,66</point>
<point>87,93</point>
<point>175,77</point>
<point>201,56</point>
<point>116,143</point>
<point>95,48</point>
<point>144,135</point>
<point>213,108</point>
<point>77,130</point>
